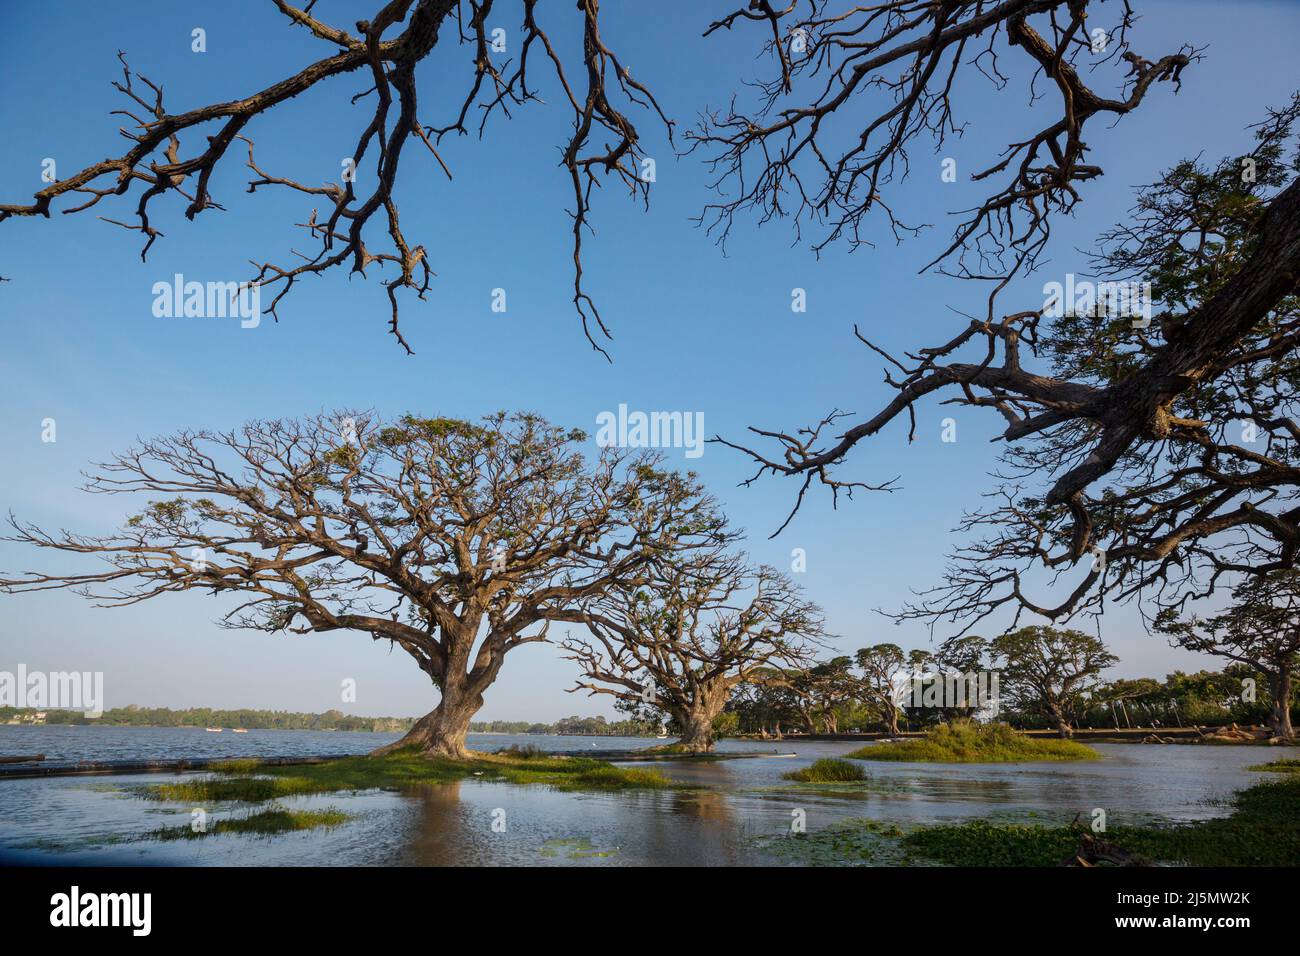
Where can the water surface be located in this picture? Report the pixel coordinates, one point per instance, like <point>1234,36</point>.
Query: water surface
<point>740,817</point>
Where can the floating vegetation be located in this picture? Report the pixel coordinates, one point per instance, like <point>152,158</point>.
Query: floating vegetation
<point>852,842</point>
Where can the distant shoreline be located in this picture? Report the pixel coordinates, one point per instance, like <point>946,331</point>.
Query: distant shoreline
<point>358,730</point>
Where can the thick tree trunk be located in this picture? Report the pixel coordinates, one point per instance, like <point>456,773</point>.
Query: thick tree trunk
<point>891,718</point>
<point>1280,719</point>
<point>697,731</point>
<point>442,731</point>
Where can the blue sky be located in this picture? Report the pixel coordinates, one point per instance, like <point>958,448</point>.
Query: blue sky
<point>694,329</point>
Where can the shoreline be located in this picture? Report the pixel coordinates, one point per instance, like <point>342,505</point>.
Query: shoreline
<point>1124,735</point>
<point>330,730</point>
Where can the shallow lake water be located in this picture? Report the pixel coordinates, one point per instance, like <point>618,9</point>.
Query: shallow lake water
<point>740,817</point>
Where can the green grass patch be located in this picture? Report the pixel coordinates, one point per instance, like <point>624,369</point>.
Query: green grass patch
<point>238,765</point>
<point>269,822</point>
<point>401,770</point>
<point>1286,765</point>
<point>246,789</point>
<point>1263,830</point>
<point>975,743</point>
<point>828,770</point>
<point>610,777</point>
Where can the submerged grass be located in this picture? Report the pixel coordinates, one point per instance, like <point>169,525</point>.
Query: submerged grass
<point>1285,765</point>
<point>251,782</point>
<point>1263,830</point>
<point>269,822</point>
<point>828,770</point>
<point>851,842</point>
<point>965,742</point>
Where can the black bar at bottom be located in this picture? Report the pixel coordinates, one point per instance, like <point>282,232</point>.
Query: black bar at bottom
<point>304,905</point>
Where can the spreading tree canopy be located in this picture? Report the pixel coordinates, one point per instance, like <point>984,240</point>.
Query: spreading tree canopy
<point>457,541</point>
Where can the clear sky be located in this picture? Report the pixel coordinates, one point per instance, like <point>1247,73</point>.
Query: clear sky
<point>695,329</point>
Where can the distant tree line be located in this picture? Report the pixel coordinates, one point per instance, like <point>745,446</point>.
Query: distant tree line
<point>134,716</point>
<point>569,727</point>
<point>1047,678</point>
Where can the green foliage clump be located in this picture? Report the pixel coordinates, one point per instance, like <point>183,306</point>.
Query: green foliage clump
<point>984,843</point>
<point>966,742</point>
<point>828,770</point>
<point>609,777</point>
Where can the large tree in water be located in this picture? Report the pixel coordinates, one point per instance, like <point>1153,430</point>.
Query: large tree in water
<point>704,623</point>
<point>456,541</point>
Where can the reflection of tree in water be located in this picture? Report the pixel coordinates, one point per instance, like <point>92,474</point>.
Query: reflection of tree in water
<point>441,832</point>
<point>451,826</point>
<point>699,827</point>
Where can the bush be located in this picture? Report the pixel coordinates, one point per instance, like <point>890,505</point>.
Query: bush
<point>828,770</point>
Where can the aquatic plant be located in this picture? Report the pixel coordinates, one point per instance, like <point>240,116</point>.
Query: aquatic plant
<point>828,770</point>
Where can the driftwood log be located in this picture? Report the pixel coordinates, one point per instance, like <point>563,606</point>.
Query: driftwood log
<point>1095,850</point>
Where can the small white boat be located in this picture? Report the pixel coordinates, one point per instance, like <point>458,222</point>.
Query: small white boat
<point>213,730</point>
<point>239,730</point>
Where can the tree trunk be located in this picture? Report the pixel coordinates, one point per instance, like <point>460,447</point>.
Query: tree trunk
<point>697,731</point>
<point>891,719</point>
<point>1280,719</point>
<point>442,731</point>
